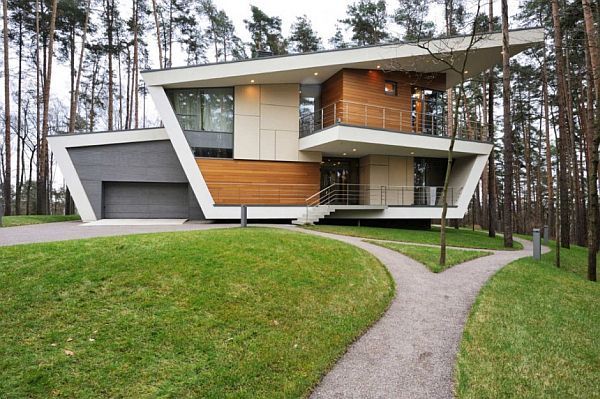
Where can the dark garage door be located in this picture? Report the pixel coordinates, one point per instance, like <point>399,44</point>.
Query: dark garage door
<point>145,200</point>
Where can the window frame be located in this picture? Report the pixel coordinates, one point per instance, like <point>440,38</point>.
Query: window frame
<point>170,95</point>
<point>394,84</point>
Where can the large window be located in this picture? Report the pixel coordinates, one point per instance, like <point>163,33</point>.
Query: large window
<point>206,117</point>
<point>429,181</point>
<point>310,104</point>
<point>428,111</point>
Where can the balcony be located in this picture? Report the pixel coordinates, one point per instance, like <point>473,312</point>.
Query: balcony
<point>348,113</point>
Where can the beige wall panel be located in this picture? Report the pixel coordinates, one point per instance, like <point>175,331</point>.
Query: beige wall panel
<point>247,100</point>
<point>397,171</point>
<point>378,159</point>
<point>246,137</point>
<point>267,144</point>
<point>286,145</point>
<point>276,117</point>
<point>283,94</point>
<point>310,156</point>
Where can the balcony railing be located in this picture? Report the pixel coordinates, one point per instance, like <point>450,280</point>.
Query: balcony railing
<point>366,194</point>
<point>392,119</point>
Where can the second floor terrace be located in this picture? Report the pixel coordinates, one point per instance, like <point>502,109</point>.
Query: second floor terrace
<point>419,119</point>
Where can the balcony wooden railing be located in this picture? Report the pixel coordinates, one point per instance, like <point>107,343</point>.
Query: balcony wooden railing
<point>391,119</point>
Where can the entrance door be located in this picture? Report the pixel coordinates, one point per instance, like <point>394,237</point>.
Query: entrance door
<point>344,173</point>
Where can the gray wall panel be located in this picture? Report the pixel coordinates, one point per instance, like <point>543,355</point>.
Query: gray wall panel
<point>145,162</point>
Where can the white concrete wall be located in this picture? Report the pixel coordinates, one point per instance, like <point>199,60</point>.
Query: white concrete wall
<point>391,171</point>
<point>266,124</point>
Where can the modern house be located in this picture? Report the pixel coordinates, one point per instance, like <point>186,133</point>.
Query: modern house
<point>359,133</point>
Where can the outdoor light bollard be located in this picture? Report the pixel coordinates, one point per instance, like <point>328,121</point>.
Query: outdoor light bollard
<point>537,244</point>
<point>244,216</point>
<point>546,234</point>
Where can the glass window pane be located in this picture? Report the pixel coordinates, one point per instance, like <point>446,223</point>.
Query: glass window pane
<point>217,110</point>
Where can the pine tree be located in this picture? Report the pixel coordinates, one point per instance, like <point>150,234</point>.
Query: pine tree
<point>337,40</point>
<point>303,38</point>
<point>411,15</point>
<point>367,19</point>
<point>265,32</point>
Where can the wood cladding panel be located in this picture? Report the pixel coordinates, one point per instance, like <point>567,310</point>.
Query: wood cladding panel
<point>360,97</point>
<point>232,181</point>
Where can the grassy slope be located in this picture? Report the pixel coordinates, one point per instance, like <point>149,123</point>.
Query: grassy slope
<point>457,238</point>
<point>534,332</point>
<point>430,256</point>
<point>224,313</point>
<point>22,220</point>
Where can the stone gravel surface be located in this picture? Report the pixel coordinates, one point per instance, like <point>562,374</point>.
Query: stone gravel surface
<point>411,351</point>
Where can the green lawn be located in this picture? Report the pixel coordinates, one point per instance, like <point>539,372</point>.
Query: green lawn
<point>22,220</point>
<point>241,313</point>
<point>458,238</point>
<point>534,332</point>
<point>430,256</point>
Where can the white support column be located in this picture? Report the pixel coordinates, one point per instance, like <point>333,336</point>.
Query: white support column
<point>182,149</point>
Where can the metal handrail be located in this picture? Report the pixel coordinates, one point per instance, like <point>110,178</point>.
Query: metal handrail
<point>393,119</point>
<point>367,194</point>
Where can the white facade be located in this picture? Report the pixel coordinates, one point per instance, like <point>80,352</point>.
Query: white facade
<point>266,128</point>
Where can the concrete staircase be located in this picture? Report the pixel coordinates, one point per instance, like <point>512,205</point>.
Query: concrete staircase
<point>315,213</point>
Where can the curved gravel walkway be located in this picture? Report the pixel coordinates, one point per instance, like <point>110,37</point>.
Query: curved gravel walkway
<point>411,351</point>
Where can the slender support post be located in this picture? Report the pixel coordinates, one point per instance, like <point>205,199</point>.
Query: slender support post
<point>384,118</point>
<point>244,216</point>
<point>321,118</point>
<point>1,213</point>
<point>335,118</point>
<point>537,245</point>
<point>546,234</point>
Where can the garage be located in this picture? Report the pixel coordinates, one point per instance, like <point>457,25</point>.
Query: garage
<point>132,200</point>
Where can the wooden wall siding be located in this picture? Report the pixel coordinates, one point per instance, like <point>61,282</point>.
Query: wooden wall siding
<point>232,181</point>
<point>365,88</point>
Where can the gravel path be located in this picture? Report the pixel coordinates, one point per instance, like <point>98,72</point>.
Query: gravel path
<point>411,351</point>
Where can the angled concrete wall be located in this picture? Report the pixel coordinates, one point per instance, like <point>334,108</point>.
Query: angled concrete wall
<point>141,162</point>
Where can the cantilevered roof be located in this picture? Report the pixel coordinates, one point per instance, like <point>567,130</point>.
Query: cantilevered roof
<point>313,68</point>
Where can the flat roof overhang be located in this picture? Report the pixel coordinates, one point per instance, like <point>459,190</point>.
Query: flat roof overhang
<point>315,68</point>
<point>357,142</point>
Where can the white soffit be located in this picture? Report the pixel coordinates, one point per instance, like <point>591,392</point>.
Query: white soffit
<point>301,68</point>
<point>358,141</point>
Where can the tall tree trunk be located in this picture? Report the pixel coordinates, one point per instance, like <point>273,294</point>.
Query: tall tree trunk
<point>7,190</point>
<point>492,204</point>
<point>74,100</point>
<point>549,179</point>
<point>42,186</point>
<point>135,64</point>
<point>579,222</point>
<point>38,102</point>
<point>20,143</point>
<point>110,12</point>
<point>594,55</point>
<point>508,135</point>
<point>157,24</point>
<point>562,126</point>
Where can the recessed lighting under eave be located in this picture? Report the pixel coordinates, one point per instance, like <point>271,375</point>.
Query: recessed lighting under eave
<point>316,73</point>
<point>251,80</point>
<point>354,150</point>
<point>412,153</point>
<point>378,66</point>
<point>344,154</point>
